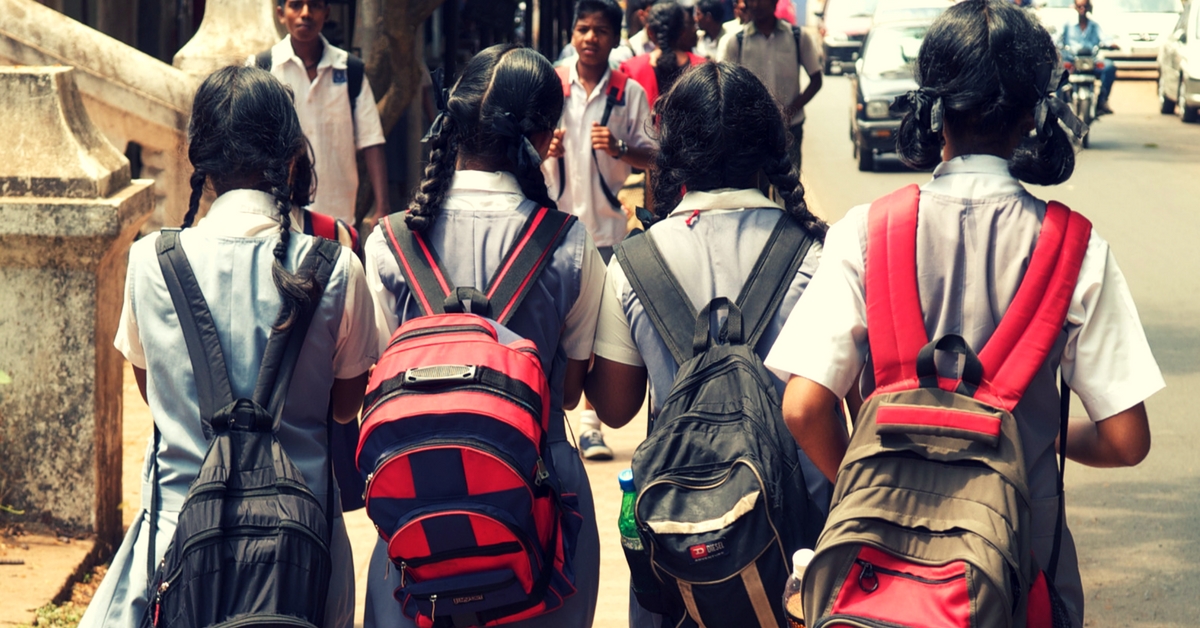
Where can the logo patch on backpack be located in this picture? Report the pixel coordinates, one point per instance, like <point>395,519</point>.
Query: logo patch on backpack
<point>705,551</point>
<point>339,76</point>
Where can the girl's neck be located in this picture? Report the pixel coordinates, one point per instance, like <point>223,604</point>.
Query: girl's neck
<point>681,57</point>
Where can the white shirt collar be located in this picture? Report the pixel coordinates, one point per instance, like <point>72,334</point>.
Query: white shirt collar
<point>989,173</point>
<point>330,55</point>
<point>726,199</point>
<point>469,181</point>
<point>601,85</point>
<point>241,213</point>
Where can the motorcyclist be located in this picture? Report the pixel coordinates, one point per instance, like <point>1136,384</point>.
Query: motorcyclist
<point>1086,35</point>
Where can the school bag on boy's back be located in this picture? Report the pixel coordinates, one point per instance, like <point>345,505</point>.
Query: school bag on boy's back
<point>721,498</point>
<point>252,544</point>
<point>931,523</point>
<point>460,481</point>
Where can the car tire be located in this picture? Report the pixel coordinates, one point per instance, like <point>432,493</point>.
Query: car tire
<point>1186,113</point>
<point>1166,106</point>
<point>866,159</point>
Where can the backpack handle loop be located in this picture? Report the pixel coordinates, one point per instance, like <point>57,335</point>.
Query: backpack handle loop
<point>467,299</point>
<point>730,333</point>
<point>244,415</point>
<point>972,372</point>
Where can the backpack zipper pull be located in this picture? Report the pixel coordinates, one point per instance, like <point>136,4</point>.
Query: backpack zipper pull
<point>162,588</point>
<point>387,570</point>
<point>867,580</point>
<point>403,568</point>
<point>433,611</point>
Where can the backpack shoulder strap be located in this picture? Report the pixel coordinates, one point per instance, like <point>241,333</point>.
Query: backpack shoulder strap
<point>354,78</point>
<point>741,40</point>
<point>1035,317</point>
<point>796,38</point>
<point>616,87</point>
<point>668,306</point>
<point>525,261</point>
<point>262,60</point>
<point>419,264</point>
<point>771,277</point>
<point>199,330</point>
<point>893,302</point>
<point>318,224</point>
<point>564,76</point>
<point>283,346</point>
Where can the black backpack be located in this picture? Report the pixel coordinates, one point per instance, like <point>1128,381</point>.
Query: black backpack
<point>252,544</point>
<point>722,502</point>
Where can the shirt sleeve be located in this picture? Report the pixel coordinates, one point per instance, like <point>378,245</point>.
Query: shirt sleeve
<point>614,338</point>
<point>723,48</point>
<point>825,336</point>
<point>810,53</point>
<point>639,117</point>
<point>579,328</point>
<point>357,345</point>
<point>368,131</point>
<point>128,339</point>
<point>1107,360</point>
<point>383,301</point>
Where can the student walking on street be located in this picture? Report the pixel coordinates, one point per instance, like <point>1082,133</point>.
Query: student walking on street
<point>246,143</point>
<point>777,52</point>
<point>482,185</point>
<point>674,31</point>
<point>711,238</point>
<point>985,115</point>
<point>602,136</point>
<point>338,122</point>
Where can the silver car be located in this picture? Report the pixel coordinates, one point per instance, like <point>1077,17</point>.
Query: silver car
<point>1138,28</point>
<point>1179,67</point>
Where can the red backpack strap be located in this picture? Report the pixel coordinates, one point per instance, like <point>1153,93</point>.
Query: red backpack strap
<point>1035,317</point>
<point>419,264</point>
<point>894,320</point>
<point>325,226</point>
<point>617,82</point>
<point>525,261</point>
<point>564,76</point>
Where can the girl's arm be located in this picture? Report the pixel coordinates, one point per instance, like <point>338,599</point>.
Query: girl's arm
<point>809,409</point>
<point>573,386</point>
<point>140,375</point>
<point>616,391</point>
<point>1122,440</point>
<point>347,397</point>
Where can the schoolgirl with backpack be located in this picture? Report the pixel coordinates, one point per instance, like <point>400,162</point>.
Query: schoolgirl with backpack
<point>717,448</point>
<point>245,336</point>
<point>489,297</point>
<point>954,308</point>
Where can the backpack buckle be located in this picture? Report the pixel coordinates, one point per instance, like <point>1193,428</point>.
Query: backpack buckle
<point>541,473</point>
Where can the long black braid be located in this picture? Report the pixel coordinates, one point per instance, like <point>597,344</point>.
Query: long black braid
<point>244,133</point>
<point>505,95</point>
<point>667,20</point>
<point>741,137</point>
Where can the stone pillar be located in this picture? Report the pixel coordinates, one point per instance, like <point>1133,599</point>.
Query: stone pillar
<point>68,213</point>
<point>231,31</point>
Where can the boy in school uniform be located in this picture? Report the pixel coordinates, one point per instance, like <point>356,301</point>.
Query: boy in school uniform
<point>318,74</point>
<point>590,160</point>
<point>767,46</point>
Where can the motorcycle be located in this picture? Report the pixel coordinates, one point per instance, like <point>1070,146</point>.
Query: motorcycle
<point>1082,86</point>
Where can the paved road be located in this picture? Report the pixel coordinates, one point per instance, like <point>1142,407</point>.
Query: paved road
<point>1138,530</point>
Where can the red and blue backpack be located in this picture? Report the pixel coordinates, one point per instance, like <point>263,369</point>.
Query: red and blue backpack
<point>460,483</point>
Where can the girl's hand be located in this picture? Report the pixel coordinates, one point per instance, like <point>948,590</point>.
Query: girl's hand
<point>556,145</point>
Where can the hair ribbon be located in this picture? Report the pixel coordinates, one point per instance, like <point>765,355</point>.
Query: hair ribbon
<point>926,103</point>
<point>441,98</point>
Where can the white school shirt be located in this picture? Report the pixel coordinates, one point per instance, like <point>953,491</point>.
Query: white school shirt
<point>773,59</point>
<point>638,44</point>
<point>250,214</point>
<point>1106,360</point>
<point>583,195</point>
<point>474,190</point>
<point>323,107</point>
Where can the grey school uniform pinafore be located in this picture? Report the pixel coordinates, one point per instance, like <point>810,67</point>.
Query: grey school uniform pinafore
<point>234,274</point>
<point>712,257</point>
<point>471,245</point>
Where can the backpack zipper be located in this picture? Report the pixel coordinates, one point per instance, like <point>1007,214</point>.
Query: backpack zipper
<point>869,582</point>
<point>499,549</point>
<point>857,622</point>
<point>434,331</point>
<point>484,388</point>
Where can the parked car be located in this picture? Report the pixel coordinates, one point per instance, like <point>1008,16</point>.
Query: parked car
<point>1138,28</point>
<point>884,71</point>
<point>908,10</point>
<point>843,25</point>
<point>1179,67</point>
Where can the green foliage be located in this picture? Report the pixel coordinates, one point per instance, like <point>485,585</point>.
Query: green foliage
<point>55,616</point>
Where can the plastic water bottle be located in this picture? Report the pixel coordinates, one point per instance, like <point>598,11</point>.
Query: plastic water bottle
<point>630,539</point>
<point>793,605</point>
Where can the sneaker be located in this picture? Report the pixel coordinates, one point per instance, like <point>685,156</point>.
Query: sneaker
<point>591,445</point>
<point>1102,108</point>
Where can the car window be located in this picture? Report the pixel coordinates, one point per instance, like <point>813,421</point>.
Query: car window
<point>892,52</point>
<point>849,8</point>
<point>1139,6</point>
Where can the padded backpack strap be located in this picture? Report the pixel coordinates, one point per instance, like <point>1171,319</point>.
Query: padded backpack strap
<point>213,391</point>
<point>355,69</point>
<point>283,346</point>
<point>525,261</point>
<point>893,301</point>
<point>772,276</point>
<point>419,264</point>
<point>262,60</point>
<point>564,77</point>
<point>668,306</point>
<point>1035,317</point>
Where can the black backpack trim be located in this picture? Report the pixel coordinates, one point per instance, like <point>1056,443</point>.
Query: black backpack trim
<point>208,360</point>
<point>355,70</point>
<point>672,313</point>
